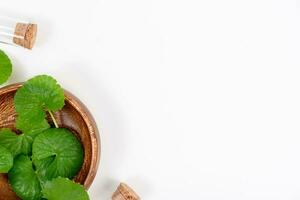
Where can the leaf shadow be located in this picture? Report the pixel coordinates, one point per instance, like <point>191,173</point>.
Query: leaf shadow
<point>18,74</point>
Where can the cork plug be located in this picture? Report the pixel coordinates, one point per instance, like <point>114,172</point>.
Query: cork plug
<point>25,35</point>
<point>124,192</point>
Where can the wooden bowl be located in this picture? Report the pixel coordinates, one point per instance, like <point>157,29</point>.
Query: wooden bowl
<point>74,116</point>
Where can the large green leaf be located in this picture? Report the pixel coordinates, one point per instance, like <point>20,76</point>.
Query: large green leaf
<point>24,180</point>
<point>57,152</point>
<point>64,189</point>
<point>38,95</point>
<point>5,67</point>
<point>16,144</point>
<point>6,160</point>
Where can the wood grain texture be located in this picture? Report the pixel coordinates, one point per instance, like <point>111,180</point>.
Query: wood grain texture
<point>124,192</point>
<point>74,116</point>
<point>27,32</point>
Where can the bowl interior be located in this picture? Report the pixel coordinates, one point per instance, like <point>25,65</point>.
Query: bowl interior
<point>73,116</point>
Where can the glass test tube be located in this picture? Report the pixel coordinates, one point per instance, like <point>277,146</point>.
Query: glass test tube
<point>17,32</point>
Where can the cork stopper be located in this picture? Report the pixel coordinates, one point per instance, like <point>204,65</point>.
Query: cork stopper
<point>124,192</point>
<point>27,33</point>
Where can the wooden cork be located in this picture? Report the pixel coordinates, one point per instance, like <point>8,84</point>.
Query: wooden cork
<point>124,192</point>
<point>27,33</point>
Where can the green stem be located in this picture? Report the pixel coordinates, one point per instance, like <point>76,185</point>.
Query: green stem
<point>53,119</point>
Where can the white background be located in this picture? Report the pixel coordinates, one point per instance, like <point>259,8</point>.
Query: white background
<point>195,99</point>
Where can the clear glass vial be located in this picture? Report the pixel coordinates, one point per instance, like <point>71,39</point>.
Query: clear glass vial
<point>17,32</point>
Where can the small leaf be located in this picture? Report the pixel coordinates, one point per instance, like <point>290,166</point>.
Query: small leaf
<point>64,189</point>
<point>5,67</point>
<point>16,144</point>
<point>6,160</point>
<point>57,152</point>
<point>24,180</point>
<point>8,139</point>
<point>34,98</point>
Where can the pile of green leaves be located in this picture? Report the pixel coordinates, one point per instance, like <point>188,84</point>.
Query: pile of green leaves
<point>42,158</point>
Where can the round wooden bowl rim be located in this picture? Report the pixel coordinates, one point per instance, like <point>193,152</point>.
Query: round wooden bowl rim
<point>89,121</point>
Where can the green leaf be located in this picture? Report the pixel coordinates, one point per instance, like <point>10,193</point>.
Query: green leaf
<point>34,98</point>
<point>31,128</point>
<point>5,67</point>
<point>16,144</point>
<point>57,152</point>
<point>6,160</point>
<point>24,180</point>
<point>9,140</point>
<point>64,189</point>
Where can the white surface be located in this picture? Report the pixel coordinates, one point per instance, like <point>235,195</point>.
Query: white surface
<point>195,99</point>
